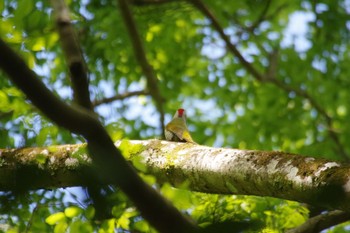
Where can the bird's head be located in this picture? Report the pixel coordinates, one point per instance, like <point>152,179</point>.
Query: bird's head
<point>180,113</point>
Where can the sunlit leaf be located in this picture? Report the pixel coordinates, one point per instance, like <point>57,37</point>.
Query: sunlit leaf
<point>142,226</point>
<point>39,44</point>
<point>60,227</point>
<point>55,218</point>
<point>108,226</point>
<point>72,211</point>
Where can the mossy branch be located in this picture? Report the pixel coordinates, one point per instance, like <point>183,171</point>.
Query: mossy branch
<point>212,170</point>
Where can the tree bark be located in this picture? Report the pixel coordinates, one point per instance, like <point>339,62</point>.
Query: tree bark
<point>212,170</point>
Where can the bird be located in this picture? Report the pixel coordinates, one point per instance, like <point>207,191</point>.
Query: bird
<point>176,130</point>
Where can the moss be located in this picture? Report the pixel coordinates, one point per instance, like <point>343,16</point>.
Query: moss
<point>80,153</point>
<point>130,150</point>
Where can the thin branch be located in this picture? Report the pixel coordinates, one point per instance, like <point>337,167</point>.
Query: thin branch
<point>140,55</point>
<point>150,2</point>
<point>119,97</point>
<point>249,67</point>
<point>264,78</point>
<point>328,119</point>
<point>73,54</point>
<point>261,17</point>
<point>277,11</point>
<point>107,159</point>
<point>322,222</point>
<point>264,16</point>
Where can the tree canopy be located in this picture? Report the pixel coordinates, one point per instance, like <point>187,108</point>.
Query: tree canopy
<point>259,75</point>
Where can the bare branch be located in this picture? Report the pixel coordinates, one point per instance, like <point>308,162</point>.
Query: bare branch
<point>108,161</point>
<point>142,59</point>
<point>73,54</point>
<point>322,222</point>
<point>150,2</point>
<point>261,17</point>
<point>119,97</point>
<point>250,68</point>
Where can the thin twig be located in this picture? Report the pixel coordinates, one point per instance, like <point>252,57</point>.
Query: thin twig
<point>119,97</point>
<point>150,2</point>
<point>73,54</point>
<point>140,55</point>
<point>249,67</point>
<point>261,17</point>
<point>30,221</point>
<point>322,222</point>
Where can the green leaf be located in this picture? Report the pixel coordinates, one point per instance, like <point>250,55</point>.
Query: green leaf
<point>55,218</point>
<point>90,212</point>
<point>108,226</point>
<point>81,227</point>
<point>60,227</point>
<point>118,210</point>
<point>2,6</point>
<point>72,211</point>
<point>139,163</point>
<point>142,226</point>
<point>114,131</point>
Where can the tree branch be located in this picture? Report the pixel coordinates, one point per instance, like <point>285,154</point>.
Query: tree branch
<point>150,2</point>
<point>328,119</point>
<point>261,17</point>
<point>119,97</point>
<point>142,59</point>
<point>73,54</point>
<point>317,182</point>
<point>80,84</point>
<point>321,222</point>
<point>264,78</point>
<point>108,161</point>
<point>231,47</point>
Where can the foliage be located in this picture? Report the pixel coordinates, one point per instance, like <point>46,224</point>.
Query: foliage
<point>227,106</point>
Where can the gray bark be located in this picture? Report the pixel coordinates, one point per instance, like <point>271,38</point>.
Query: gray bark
<point>212,170</point>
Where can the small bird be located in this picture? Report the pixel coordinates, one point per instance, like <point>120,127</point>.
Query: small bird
<point>176,130</point>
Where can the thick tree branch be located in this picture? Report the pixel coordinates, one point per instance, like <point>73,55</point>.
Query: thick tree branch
<point>322,222</point>
<point>80,84</point>
<point>73,118</point>
<point>119,97</point>
<point>73,54</point>
<point>317,182</point>
<point>140,55</point>
<point>108,161</point>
